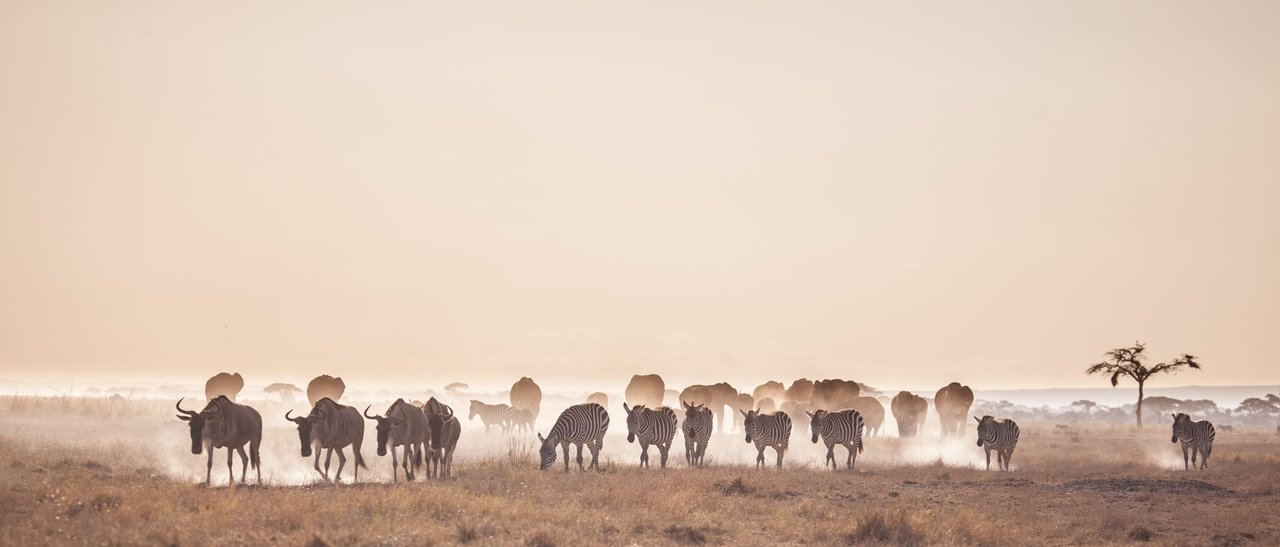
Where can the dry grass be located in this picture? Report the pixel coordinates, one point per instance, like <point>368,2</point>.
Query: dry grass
<point>68,479</point>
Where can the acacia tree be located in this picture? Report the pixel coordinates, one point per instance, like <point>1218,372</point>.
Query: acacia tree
<point>1086,404</point>
<point>1129,362</point>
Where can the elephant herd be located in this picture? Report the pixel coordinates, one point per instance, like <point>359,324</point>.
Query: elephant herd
<point>952,402</point>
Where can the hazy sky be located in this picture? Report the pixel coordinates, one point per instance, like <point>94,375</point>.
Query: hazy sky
<point>904,193</point>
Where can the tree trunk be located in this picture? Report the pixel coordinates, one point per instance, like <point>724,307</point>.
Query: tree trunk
<point>1140,405</point>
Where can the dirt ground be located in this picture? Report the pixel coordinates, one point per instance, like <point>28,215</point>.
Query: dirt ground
<point>81,472</point>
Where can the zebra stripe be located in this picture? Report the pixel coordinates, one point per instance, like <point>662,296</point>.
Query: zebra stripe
<point>1198,436</point>
<point>651,426</point>
<point>1000,435</point>
<point>767,430</point>
<point>583,424</point>
<point>499,415</point>
<point>697,428</point>
<point>842,427</point>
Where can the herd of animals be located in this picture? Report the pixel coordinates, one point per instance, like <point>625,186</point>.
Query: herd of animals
<point>427,433</point>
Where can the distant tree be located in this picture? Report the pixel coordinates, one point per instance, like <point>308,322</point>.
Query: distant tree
<point>1087,405</point>
<point>1273,399</point>
<point>285,391</point>
<point>1203,406</point>
<point>1254,405</point>
<point>456,387</point>
<point>1128,362</point>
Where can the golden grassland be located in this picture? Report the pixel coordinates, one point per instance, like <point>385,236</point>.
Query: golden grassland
<point>83,472</point>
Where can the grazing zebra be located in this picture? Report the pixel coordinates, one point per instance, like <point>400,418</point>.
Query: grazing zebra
<point>697,427</point>
<point>842,427</point>
<point>498,414</point>
<point>403,425</point>
<point>331,426</point>
<point>522,419</point>
<point>583,424</point>
<point>224,424</point>
<point>1198,436</point>
<point>1001,435</point>
<point>767,430</point>
<point>651,426</point>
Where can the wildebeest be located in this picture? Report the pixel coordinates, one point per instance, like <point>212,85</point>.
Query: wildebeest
<point>645,389</point>
<point>443,438</point>
<point>910,411</point>
<point>404,425</point>
<point>952,403</point>
<point>1227,428</point>
<point>526,394</point>
<point>324,386</point>
<point>331,426</point>
<point>223,383</point>
<point>224,424</point>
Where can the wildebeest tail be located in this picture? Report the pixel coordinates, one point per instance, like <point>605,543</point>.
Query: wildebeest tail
<point>359,458</point>
<point>417,456</point>
<point>254,459</point>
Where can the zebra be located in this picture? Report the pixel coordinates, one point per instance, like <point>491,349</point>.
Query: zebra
<point>331,426</point>
<point>767,430</point>
<point>697,428</point>
<point>842,427</point>
<point>499,414</point>
<point>999,434</point>
<point>444,432</point>
<point>522,419</point>
<point>1198,436</point>
<point>224,424</point>
<point>583,424</point>
<point>403,425</point>
<point>651,426</point>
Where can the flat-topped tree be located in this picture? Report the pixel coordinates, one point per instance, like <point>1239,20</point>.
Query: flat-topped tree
<point>285,391</point>
<point>1129,362</point>
<point>1086,404</point>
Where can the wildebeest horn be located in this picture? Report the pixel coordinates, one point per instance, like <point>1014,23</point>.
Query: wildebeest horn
<point>297,420</point>
<point>449,414</point>
<point>179,407</point>
<point>366,413</point>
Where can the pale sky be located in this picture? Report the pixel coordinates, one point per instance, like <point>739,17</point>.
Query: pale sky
<point>901,193</point>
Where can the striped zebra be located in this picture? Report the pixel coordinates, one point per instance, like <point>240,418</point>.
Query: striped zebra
<point>583,424</point>
<point>1198,436</point>
<point>1001,435</point>
<point>767,430</point>
<point>697,427</point>
<point>651,426</point>
<point>499,415</point>
<point>842,427</point>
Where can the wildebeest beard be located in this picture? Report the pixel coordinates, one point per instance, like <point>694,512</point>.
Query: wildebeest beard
<point>196,421</point>
<point>304,432</point>
<point>384,432</point>
<point>435,426</point>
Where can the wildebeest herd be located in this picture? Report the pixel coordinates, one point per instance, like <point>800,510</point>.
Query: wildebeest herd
<point>426,434</point>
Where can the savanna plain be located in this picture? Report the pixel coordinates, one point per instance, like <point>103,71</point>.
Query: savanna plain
<point>101,471</point>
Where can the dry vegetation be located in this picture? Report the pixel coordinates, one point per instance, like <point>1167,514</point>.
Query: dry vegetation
<point>96,471</point>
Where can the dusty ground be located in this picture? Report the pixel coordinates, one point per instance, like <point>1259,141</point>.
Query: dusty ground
<point>84,472</point>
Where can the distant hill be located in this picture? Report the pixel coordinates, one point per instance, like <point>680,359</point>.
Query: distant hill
<point>1126,393</point>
